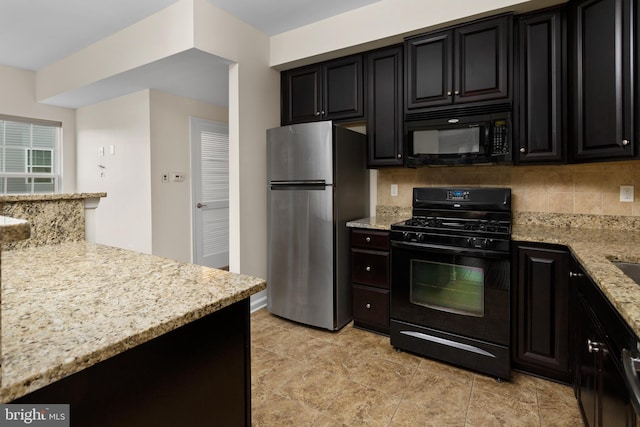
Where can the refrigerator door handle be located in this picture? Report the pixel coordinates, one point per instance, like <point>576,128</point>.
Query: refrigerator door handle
<point>298,185</point>
<point>303,182</point>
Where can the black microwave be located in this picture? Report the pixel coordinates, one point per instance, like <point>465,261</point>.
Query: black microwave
<point>459,140</point>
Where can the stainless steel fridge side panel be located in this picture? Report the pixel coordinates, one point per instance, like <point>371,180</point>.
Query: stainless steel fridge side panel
<point>351,201</point>
<point>300,272</point>
<point>300,152</point>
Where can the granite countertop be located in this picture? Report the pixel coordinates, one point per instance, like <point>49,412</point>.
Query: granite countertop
<point>12,230</point>
<point>377,222</point>
<point>48,196</point>
<point>66,307</point>
<point>593,248</point>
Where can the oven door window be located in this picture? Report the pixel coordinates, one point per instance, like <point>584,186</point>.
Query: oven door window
<point>447,287</point>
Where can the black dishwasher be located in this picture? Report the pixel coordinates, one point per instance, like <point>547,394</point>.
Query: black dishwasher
<point>603,393</point>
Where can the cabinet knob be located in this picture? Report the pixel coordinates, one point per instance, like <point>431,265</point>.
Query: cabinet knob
<point>368,268</point>
<point>625,142</point>
<point>368,305</point>
<point>522,150</point>
<point>317,113</point>
<point>322,112</point>
<point>448,93</point>
<point>367,239</point>
<point>593,346</point>
<point>399,156</point>
<point>457,92</point>
<point>573,275</point>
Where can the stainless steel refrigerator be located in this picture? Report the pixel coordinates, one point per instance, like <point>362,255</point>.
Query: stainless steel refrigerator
<point>317,182</point>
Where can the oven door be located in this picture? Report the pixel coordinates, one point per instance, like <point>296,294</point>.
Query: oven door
<point>459,291</point>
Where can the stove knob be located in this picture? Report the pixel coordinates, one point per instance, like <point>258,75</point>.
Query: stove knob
<point>406,236</point>
<point>420,237</point>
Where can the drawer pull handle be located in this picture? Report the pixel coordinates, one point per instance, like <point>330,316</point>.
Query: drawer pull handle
<point>368,268</point>
<point>367,239</point>
<point>368,305</point>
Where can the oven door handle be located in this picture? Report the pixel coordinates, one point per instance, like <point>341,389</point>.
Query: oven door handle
<point>427,247</point>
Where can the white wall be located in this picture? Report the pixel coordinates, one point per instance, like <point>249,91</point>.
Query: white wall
<point>171,203</point>
<point>17,98</point>
<point>158,36</point>
<point>254,106</point>
<point>254,99</point>
<point>123,218</point>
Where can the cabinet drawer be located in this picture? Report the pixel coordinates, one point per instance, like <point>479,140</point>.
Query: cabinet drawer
<point>369,239</point>
<point>371,306</point>
<point>370,268</point>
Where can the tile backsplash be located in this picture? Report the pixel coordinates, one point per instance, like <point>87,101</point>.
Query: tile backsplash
<point>592,188</point>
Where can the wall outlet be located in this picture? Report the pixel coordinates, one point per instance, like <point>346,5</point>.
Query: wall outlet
<point>394,190</point>
<point>626,193</point>
<point>165,177</point>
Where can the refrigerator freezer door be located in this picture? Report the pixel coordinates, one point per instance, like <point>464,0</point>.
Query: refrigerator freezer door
<point>302,152</point>
<point>300,284</point>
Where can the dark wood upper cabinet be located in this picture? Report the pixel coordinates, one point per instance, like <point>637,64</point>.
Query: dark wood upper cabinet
<point>384,107</point>
<point>602,72</point>
<point>469,63</point>
<point>301,94</point>
<point>331,90</point>
<point>540,118</point>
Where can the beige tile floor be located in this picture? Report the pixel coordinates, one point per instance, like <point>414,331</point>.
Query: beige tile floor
<point>303,376</point>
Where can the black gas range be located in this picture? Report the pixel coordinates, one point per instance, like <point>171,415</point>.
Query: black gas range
<point>477,218</point>
<point>450,278</point>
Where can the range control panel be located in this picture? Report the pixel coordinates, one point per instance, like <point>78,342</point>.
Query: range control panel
<point>457,195</point>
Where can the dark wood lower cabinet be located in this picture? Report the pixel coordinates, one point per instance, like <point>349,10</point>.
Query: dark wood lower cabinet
<point>541,304</point>
<point>600,336</point>
<point>370,277</point>
<point>196,375</point>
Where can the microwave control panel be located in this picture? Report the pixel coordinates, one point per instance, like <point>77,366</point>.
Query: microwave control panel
<point>500,139</point>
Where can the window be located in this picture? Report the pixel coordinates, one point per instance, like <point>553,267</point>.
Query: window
<point>29,155</point>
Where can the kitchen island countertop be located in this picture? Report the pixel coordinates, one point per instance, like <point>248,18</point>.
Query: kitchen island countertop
<point>593,248</point>
<point>69,306</point>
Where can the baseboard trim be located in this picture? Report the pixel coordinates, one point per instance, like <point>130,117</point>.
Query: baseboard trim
<point>258,301</point>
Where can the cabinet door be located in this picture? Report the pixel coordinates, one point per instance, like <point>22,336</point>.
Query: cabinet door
<point>603,73</point>
<point>384,107</point>
<point>542,303</point>
<point>429,70</point>
<point>539,107</point>
<point>342,94</point>
<point>588,367</point>
<point>302,95</point>
<point>482,60</point>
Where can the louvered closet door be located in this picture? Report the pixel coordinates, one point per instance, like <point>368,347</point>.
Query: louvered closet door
<point>210,163</point>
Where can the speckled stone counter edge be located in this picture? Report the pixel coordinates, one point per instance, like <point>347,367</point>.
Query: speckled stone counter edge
<point>46,197</point>
<point>12,230</point>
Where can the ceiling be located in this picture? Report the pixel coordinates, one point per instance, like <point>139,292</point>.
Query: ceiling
<point>36,33</point>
